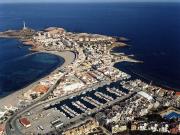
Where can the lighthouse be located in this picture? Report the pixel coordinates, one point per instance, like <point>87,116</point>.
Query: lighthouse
<point>24,25</point>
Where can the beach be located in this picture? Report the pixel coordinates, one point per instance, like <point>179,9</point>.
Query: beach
<point>13,98</point>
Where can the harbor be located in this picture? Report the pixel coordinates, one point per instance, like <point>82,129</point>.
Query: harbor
<point>81,105</point>
<point>84,102</point>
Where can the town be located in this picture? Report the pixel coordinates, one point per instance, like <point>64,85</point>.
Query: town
<point>88,95</point>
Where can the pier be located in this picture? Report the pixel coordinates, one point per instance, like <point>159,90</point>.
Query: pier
<point>69,113</point>
<point>91,101</point>
<point>115,91</point>
<point>78,106</point>
<point>104,96</point>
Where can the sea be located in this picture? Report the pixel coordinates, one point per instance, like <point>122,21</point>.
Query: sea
<point>20,67</point>
<point>153,30</point>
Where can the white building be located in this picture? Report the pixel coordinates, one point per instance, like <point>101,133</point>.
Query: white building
<point>2,112</point>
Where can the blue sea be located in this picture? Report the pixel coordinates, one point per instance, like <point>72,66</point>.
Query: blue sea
<point>153,30</point>
<point>19,67</point>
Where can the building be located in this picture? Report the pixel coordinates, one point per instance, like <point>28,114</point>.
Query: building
<point>2,112</point>
<point>1,129</point>
<point>54,30</point>
<point>134,126</point>
<point>119,128</point>
<point>147,96</point>
<point>41,89</point>
<point>175,130</point>
<point>178,94</point>
<point>25,122</point>
<point>82,129</point>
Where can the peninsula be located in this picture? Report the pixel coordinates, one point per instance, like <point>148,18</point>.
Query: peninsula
<point>87,95</point>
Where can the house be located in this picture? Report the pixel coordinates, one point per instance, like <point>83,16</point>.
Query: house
<point>41,89</point>
<point>1,129</point>
<point>175,130</point>
<point>2,112</point>
<point>82,129</point>
<point>178,94</point>
<point>119,128</point>
<point>25,122</point>
<point>54,30</point>
<point>134,126</point>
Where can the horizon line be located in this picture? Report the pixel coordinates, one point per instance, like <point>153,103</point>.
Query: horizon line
<point>78,2</point>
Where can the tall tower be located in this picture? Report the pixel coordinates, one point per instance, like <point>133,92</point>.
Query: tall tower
<point>24,25</point>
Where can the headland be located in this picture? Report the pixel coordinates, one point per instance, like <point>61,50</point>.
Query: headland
<point>86,89</point>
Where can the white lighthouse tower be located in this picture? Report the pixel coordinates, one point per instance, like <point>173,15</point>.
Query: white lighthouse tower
<point>24,25</point>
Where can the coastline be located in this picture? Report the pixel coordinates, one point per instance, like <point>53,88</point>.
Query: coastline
<point>13,98</point>
<point>155,81</point>
<point>145,78</point>
<point>68,56</point>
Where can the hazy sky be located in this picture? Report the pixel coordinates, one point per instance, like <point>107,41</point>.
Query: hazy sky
<point>25,1</point>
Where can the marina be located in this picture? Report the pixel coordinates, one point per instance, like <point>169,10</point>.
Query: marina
<point>88,101</point>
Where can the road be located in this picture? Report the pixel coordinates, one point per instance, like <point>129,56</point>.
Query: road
<point>11,127</point>
<point>11,123</point>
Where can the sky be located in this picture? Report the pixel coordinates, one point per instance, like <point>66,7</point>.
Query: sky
<point>29,1</point>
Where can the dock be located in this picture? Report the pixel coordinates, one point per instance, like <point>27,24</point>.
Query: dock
<point>104,96</point>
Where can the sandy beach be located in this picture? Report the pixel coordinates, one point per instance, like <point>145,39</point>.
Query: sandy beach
<point>13,98</point>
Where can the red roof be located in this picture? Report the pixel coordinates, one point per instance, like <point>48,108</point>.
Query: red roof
<point>174,131</point>
<point>41,88</point>
<point>1,129</point>
<point>178,93</point>
<point>25,122</point>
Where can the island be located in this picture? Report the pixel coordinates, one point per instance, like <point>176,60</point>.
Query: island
<point>87,94</point>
